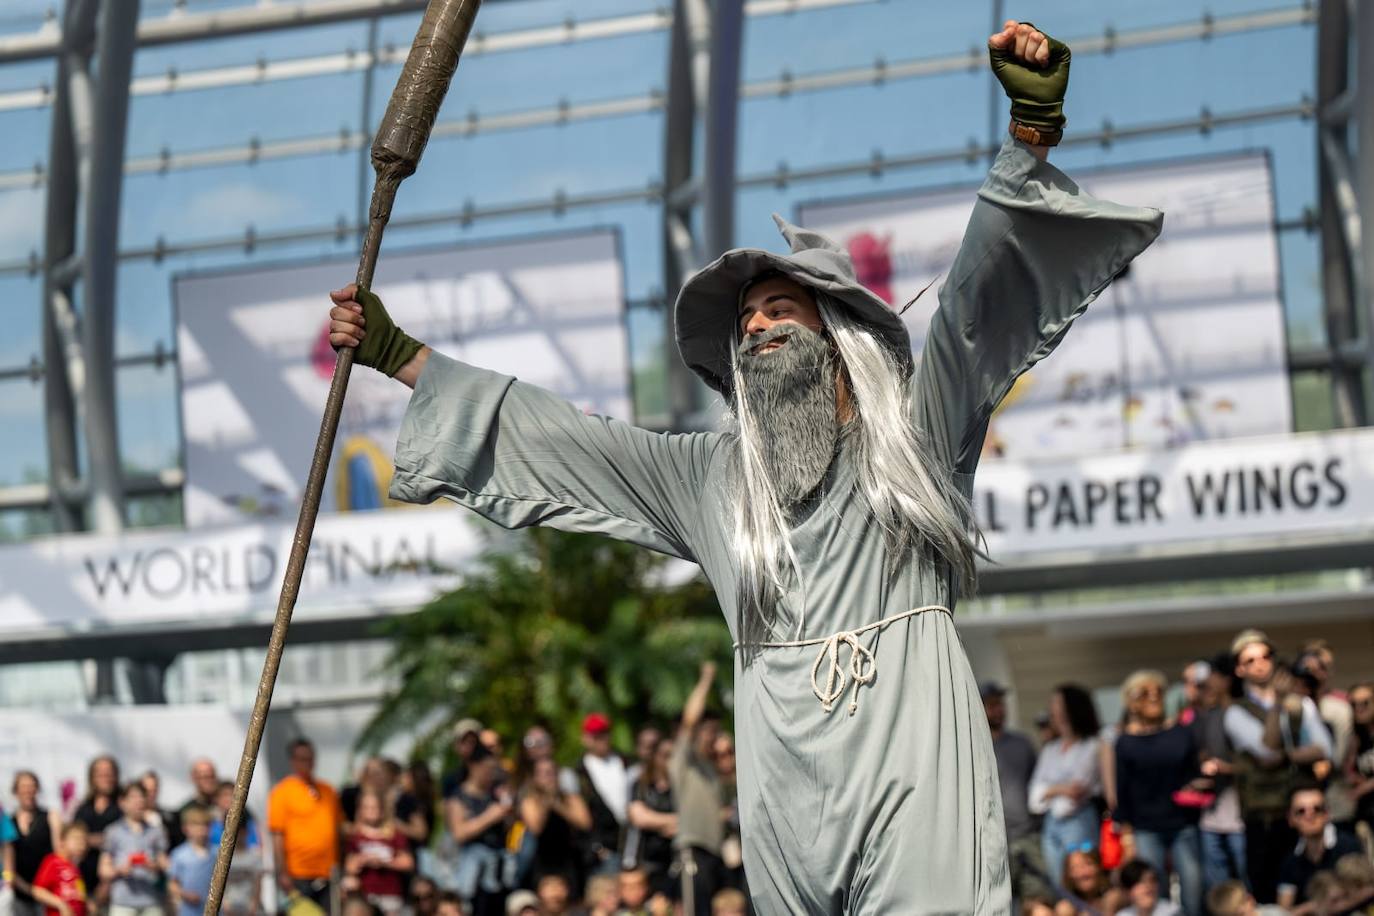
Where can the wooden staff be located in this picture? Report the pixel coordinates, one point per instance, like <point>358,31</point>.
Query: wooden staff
<point>396,151</point>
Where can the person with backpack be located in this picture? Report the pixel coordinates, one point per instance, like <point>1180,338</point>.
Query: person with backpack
<point>1277,734</point>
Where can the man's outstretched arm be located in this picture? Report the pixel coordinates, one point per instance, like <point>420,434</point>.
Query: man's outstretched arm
<point>519,455</point>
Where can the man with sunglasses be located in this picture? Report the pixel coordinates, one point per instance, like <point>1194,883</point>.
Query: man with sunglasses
<point>1320,845</point>
<point>1276,733</point>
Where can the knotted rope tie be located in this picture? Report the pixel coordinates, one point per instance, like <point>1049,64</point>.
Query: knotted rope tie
<point>863,668</point>
<point>863,664</point>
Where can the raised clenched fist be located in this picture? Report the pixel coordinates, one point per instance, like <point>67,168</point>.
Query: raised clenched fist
<point>1033,69</point>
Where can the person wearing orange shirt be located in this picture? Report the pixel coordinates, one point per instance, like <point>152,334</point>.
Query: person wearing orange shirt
<point>306,821</point>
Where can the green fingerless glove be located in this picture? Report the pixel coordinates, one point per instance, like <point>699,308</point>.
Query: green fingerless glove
<point>1037,94</point>
<point>384,347</point>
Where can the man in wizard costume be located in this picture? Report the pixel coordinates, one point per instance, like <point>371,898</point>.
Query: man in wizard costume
<point>832,517</point>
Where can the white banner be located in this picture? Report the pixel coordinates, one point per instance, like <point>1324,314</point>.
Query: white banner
<point>387,562</point>
<point>1208,491</point>
<point>359,564</point>
<point>255,360</point>
<point>1187,346</point>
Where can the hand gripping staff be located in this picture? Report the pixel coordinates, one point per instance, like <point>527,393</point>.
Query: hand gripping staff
<point>400,140</point>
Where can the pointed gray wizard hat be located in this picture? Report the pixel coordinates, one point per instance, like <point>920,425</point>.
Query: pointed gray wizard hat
<point>707,311</point>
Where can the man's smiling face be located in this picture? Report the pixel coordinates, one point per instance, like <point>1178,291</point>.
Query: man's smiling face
<point>787,375</point>
<point>772,303</point>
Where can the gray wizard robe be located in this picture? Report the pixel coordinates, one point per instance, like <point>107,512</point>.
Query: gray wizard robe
<point>895,807</point>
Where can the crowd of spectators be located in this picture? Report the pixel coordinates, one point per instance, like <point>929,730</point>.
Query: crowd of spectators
<point>1255,795</point>
<point>506,831</point>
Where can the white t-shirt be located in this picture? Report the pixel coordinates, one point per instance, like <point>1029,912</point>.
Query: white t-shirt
<point>1060,763</point>
<point>611,781</point>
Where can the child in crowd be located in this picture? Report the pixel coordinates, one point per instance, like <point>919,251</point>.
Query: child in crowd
<point>1356,874</point>
<point>450,904</point>
<point>634,892</point>
<point>522,903</point>
<point>1088,886</point>
<point>134,857</point>
<point>1230,898</point>
<point>424,896</point>
<point>356,905</point>
<point>1323,896</point>
<point>602,896</point>
<point>729,902</point>
<point>192,863</point>
<point>1141,883</point>
<point>555,894</point>
<point>248,833</point>
<point>58,885</point>
<point>377,858</point>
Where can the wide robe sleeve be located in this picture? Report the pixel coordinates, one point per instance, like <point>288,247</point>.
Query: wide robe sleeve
<point>519,456</point>
<point>1036,253</point>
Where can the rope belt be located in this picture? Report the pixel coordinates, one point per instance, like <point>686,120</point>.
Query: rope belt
<point>863,666</point>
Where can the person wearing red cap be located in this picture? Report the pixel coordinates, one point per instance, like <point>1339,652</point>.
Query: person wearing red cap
<point>604,779</point>
<point>832,516</point>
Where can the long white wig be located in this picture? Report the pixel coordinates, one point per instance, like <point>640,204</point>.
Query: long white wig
<point>912,496</point>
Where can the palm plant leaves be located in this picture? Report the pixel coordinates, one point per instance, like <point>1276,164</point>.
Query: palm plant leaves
<point>546,627</point>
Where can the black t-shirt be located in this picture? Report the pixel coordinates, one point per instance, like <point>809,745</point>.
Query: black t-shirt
<point>95,822</point>
<point>1297,869</point>
<point>31,847</point>
<point>1149,769</point>
<point>407,806</point>
<point>555,851</point>
<point>655,850</point>
<point>495,835</point>
<point>448,786</point>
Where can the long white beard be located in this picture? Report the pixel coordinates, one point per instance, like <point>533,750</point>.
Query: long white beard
<point>790,395</point>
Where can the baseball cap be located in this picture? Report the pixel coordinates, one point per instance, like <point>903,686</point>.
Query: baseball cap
<point>519,901</point>
<point>991,688</point>
<point>596,723</point>
<point>466,726</point>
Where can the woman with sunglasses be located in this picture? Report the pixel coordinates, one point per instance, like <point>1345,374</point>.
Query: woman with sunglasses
<point>1360,765</point>
<point>1067,778</point>
<point>1156,761</point>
